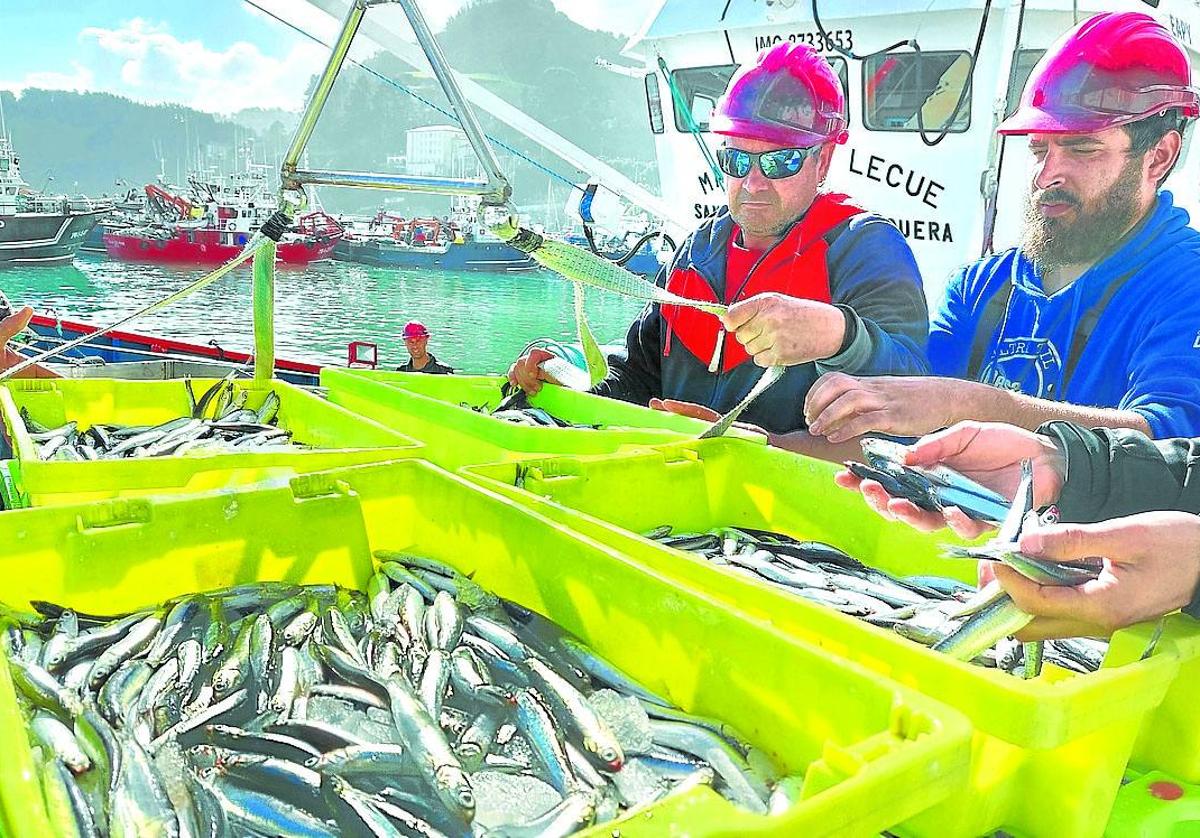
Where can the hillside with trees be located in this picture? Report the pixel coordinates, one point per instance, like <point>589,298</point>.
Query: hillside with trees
<point>525,51</point>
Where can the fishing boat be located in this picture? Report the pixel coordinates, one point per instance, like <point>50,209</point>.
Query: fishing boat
<point>133,207</point>
<point>213,222</point>
<point>458,243</point>
<point>122,354</point>
<point>36,228</point>
<point>200,242</point>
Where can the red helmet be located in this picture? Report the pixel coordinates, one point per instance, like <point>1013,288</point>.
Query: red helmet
<point>789,96</point>
<point>1110,70</point>
<point>413,329</point>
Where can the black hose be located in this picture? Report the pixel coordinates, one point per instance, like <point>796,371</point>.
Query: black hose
<point>622,261</point>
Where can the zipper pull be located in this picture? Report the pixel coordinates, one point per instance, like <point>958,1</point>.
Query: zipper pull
<point>715,363</point>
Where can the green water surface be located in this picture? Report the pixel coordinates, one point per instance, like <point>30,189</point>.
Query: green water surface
<point>479,321</point>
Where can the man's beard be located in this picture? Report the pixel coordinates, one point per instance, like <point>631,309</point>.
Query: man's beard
<point>1054,242</point>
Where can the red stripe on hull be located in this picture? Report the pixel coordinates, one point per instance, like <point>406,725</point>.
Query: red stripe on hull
<point>71,328</point>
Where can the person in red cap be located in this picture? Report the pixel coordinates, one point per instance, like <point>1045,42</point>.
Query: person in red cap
<point>1094,318</point>
<point>813,281</point>
<point>420,359</point>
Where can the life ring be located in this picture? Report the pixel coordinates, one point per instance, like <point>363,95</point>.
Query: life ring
<point>229,225</point>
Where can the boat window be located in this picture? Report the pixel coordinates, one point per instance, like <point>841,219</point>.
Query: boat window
<point>896,85</point>
<point>701,87</point>
<point>654,103</point>
<point>1022,67</point>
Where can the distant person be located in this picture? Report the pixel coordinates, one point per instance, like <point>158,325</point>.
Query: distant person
<point>420,359</point>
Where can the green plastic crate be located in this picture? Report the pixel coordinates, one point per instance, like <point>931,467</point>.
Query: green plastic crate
<point>431,408</point>
<point>872,753</point>
<point>342,438</point>
<point>1048,754</point>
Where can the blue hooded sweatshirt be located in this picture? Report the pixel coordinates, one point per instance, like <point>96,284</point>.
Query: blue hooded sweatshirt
<point>1142,304</point>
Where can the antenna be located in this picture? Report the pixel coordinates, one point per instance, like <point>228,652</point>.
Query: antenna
<point>3,126</point>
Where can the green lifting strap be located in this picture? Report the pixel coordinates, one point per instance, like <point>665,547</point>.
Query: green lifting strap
<point>264,312</point>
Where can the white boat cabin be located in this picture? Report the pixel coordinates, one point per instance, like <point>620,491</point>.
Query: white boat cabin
<point>940,186</point>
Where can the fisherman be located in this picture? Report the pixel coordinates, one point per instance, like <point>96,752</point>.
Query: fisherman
<point>813,281</point>
<point>1125,498</point>
<point>420,359</point>
<point>1095,318</point>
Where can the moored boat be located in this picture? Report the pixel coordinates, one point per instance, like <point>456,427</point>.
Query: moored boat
<point>36,228</point>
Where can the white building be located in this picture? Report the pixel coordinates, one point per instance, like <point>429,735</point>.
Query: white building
<point>440,150</point>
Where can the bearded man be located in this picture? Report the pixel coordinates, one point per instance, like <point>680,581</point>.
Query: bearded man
<point>1095,318</point>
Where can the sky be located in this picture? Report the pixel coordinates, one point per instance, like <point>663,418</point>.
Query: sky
<point>213,55</point>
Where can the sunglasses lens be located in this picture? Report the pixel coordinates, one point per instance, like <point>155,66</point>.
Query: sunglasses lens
<point>734,162</point>
<point>783,163</point>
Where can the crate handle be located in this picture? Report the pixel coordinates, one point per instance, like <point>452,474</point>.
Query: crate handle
<point>317,485</point>
<point>118,512</point>
<point>680,456</point>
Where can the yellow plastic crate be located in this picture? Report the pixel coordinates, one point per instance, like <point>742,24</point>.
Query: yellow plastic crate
<point>1170,739</point>
<point>1155,805</point>
<point>436,409</point>
<point>341,438</point>
<point>872,753</point>
<point>1048,754</point>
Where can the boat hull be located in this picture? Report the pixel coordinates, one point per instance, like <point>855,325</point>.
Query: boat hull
<point>206,247</point>
<point>118,347</point>
<point>469,256</point>
<point>43,238</point>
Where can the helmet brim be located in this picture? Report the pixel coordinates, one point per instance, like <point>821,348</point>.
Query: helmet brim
<point>785,137</point>
<point>1030,120</point>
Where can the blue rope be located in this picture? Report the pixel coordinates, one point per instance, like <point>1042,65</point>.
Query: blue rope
<point>418,97</point>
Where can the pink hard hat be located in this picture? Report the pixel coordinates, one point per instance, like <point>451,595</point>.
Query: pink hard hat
<point>789,96</point>
<point>1110,70</point>
<point>413,329</point>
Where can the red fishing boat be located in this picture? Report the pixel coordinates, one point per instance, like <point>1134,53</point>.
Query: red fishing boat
<point>215,220</point>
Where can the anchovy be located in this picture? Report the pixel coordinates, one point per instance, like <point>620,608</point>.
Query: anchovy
<point>770,376</point>
<point>438,763</point>
<point>535,721</point>
<point>598,739</point>
<point>744,786</point>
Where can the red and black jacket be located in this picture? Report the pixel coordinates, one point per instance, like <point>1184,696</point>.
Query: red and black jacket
<point>835,253</point>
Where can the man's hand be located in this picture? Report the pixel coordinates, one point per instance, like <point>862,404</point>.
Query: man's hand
<point>841,407</point>
<point>988,453</point>
<point>526,371</point>
<point>1151,568</point>
<point>780,330</point>
<point>701,412</point>
<point>10,327</point>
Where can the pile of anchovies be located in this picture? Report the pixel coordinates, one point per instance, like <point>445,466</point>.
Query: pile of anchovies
<point>219,422</point>
<point>925,609</point>
<point>515,407</point>
<point>424,706</point>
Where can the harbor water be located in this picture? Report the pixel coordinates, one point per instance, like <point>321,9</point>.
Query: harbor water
<point>479,321</point>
